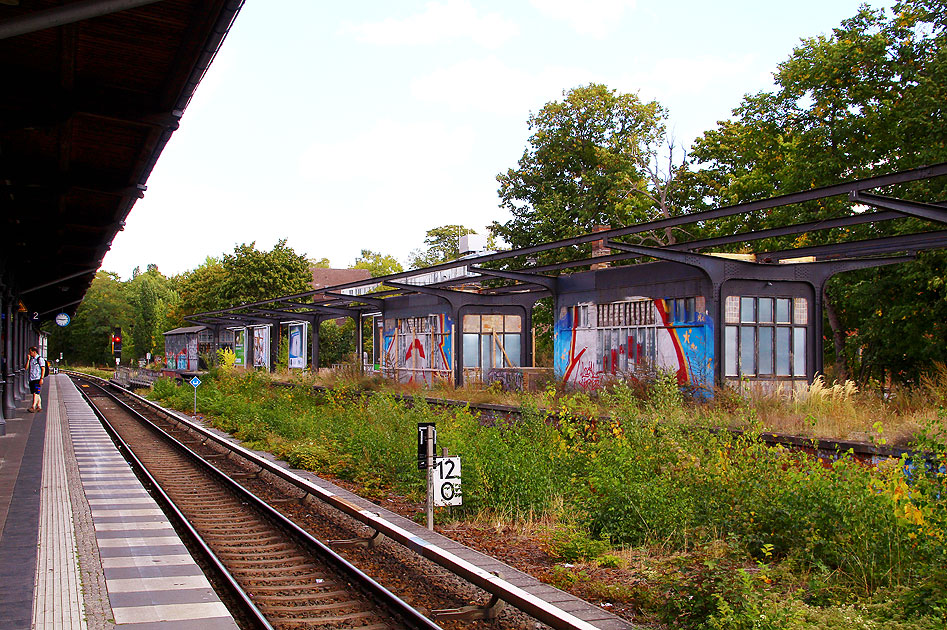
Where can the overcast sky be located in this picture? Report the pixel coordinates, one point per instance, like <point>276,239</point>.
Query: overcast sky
<point>344,126</point>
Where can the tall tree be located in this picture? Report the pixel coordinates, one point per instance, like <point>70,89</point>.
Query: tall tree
<point>87,338</point>
<point>200,289</point>
<point>867,99</point>
<point>441,244</point>
<point>151,300</point>
<point>377,264</point>
<point>251,275</point>
<point>585,162</point>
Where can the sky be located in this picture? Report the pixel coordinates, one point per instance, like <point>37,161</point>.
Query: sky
<point>343,126</point>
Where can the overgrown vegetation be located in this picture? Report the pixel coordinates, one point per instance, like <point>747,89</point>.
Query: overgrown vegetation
<point>736,534</point>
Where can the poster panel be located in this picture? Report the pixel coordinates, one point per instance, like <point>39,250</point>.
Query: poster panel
<point>239,347</point>
<point>261,347</point>
<point>297,346</point>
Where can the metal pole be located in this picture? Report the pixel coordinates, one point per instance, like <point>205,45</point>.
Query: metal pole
<point>430,478</point>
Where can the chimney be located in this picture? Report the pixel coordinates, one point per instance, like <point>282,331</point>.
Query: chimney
<point>599,249</point>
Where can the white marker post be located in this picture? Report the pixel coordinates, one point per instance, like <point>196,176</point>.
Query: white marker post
<point>194,383</point>
<point>430,475</point>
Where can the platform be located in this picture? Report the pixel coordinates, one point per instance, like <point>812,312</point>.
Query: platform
<point>82,544</point>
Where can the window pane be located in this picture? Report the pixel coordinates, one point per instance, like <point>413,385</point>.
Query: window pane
<point>730,361</point>
<point>766,349</point>
<point>690,310</point>
<point>471,323</point>
<point>747,309</point>
<point>782,310</point>
<point>471,350</point>
<point>782,352</point>
<point>513,323</point>
<point>766,310</point>
<point>511,343</point>
<point>732,315</point>
<point>486,351</point>
<point>800,311</point>
<point>747,350</point>
<point>799,352</point>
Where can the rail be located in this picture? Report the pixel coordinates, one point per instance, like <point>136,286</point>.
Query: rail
<point>528,603</point>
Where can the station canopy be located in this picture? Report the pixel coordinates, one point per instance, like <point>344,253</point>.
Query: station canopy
<point>92,91</point>
<point>918,225</point>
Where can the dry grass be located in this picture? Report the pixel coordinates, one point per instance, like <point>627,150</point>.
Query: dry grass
<point>843,411</point>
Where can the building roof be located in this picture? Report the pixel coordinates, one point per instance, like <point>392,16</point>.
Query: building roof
<point>91,95</point>
<point>184,330</point>
<point>322,278</point>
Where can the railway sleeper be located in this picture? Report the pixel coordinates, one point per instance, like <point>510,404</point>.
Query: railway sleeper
<point>331,622</point>
<point>351,604</point>
<point>293,589</point>
<point>266,582</point>
<point>256,564</point>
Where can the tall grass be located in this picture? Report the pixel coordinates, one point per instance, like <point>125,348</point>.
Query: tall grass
<point>641,476</point>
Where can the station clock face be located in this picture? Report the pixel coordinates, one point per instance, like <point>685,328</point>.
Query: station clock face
<point>62,319</point>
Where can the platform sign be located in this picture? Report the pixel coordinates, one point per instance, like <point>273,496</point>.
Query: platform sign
<point>297,346</point>
<point>446,481</point>
<point>422,443</point>
<point>239,347</point>
<point>261,347</point>
<point>194,383</point>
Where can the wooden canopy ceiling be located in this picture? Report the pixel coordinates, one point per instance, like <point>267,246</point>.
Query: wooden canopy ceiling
<point>92,91</point>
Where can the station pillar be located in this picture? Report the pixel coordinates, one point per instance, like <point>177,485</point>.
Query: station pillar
<point>315,345</point>
<point>22,382</point>
<point>9,365</point>
<point>4,356</point>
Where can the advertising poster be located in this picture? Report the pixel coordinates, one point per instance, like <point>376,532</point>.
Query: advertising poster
<point>261,347</point>
<point>297,346</point>
<point>239,347</point>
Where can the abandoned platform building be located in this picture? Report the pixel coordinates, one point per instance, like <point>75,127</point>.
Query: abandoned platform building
<point>621,308</point>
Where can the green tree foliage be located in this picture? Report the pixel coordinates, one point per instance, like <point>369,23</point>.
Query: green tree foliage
<point>200,290</point>
<point>377,264</point>
<point>87,339</point>
<point>151,300</point>
<point>440,245</point>
<point>586,161</point>
<point>865,100</point>
<point>336,342</point>
<point>251,275</point>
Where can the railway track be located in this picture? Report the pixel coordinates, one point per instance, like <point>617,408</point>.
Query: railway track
<point>422,573</point>
<point>281,575</point>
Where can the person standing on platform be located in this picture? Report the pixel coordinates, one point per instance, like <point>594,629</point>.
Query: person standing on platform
<point>34,367</point>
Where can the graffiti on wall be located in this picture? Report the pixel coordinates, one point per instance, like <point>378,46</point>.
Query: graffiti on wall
<point>180,352</point>
<point>418,349</point>
<point>634,338</point>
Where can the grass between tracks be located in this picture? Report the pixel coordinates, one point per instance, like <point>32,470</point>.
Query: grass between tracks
<point>671,525</point>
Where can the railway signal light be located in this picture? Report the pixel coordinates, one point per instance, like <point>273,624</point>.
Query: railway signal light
<point>117,341</point>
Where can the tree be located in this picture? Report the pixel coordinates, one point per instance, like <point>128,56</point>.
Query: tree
<point>87,338</point>
<point>868,99</point>
<point>251,275</point>
<point>200,290</point>
<point>441,245</point>
<point>585,160</point>
<point>377,264</point>
<point>151,299</point>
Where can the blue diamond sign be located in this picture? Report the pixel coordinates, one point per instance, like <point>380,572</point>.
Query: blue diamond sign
<point>195,382</point>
